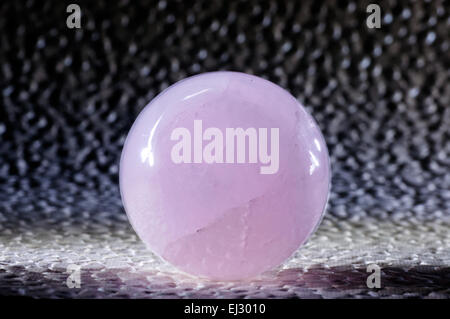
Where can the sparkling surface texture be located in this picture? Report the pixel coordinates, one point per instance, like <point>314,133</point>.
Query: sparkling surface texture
<point>224,220</point>
<point>69,97</point>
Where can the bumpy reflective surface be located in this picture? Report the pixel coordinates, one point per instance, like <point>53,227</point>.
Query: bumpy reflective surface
<point>224,175</point>
<point>69,98</point>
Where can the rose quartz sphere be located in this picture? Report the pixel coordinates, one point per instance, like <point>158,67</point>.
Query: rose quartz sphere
<point>224,220</point>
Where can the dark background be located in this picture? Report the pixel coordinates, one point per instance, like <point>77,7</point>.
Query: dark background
<point>69,96</point>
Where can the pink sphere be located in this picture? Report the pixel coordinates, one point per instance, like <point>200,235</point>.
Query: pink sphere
<point>224,175</point>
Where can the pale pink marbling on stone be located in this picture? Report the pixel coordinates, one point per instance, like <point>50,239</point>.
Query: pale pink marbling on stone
<point>224,221</point>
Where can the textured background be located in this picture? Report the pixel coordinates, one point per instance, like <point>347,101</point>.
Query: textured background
<point>68,98</point>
